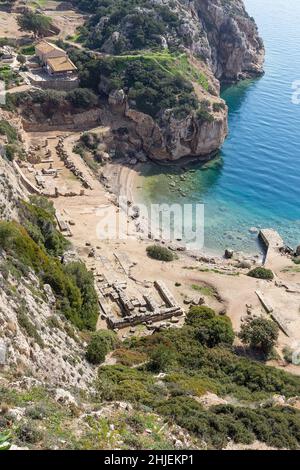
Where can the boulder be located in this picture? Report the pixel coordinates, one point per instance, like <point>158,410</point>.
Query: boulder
<point>116,97</point>
<point>244,264</point>
<point>228,253</point>
<point>49,293</point>
<point>64,397</point>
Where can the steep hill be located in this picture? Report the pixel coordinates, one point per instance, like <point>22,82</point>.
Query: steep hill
<point>162,64</point>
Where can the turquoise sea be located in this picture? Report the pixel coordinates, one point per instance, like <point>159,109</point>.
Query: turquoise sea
<point>255,179</point>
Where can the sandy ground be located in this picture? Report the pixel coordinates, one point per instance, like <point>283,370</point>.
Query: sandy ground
<point>66,20</point>
<point>9,26</point>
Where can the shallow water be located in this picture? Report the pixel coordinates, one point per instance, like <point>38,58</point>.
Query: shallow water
<point>255,180</point>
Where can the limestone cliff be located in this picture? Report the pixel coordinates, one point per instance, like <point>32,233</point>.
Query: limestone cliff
<point>232,45</point>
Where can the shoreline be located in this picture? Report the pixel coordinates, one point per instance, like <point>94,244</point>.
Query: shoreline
<point>122,180</point>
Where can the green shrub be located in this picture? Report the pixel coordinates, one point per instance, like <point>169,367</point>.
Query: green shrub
<point>261,273</point>
<point>84,281</point>
<point>126,383</point>
<point>39,220</point>
<point>144,76</point>
<point>21,58</point>
<point>260,333</point>
<point>29,433</point>
<point>288,354</point>
<point>10,152</point>
<point>275,427</point>
<point>82,98</point>
<point>218,106</point>
<point>211,330</point>
<point>195,370</point>
<point>53,322</point>
<point>160,253</point>
<point>36,23</point>
<point>28,50</point>
<point>72,286</point>
<point>162,359</point>
<point>9,131</point>
<point>37,411</point>
<point>4,441</point>
<point>143,29</point>
<point>101,343</point>
<point>128,357</point>
<point>197,314</point>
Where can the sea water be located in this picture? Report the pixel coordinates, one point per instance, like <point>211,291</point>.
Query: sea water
<point>255,180</point>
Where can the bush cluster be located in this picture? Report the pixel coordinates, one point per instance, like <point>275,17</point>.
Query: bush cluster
<point>261,273</point>
<point>211,330</point>
<point>139,29</point>
<point>260,333</point>
<point>102,341</point>
<point>194,364</point>
<point>72,285</point>
<point>160,253</point>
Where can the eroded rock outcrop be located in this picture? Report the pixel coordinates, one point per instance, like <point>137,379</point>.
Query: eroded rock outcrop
<point>234,48</point>
<point>174,139</point>
<point>36,338</point>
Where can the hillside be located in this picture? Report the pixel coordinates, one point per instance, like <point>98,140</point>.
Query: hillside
<point>184,370</point>
<point>193,45</point>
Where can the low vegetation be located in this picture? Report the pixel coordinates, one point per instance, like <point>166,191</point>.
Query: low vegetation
<point>261,273</point>
<point>90,147</point>
<point>142,75</point>
<point>4,441</point>
<point>38,217</point>
<point>10,77</point>
<point>195,359</point>
<point>102,341</point>
<point>52,101</point>
<point>261,333</point>
<point>205,290</point>
<point>13,148</point>
<point>161,253</point>
<point>37,248</point>
<point>48,424</point>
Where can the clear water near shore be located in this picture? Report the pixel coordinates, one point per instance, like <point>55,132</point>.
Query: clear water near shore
<point>255,180</point>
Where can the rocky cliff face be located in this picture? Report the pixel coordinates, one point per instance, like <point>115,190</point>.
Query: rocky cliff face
<point>173,139</point>
<point>37,340</point>
<point>11,190</point>
<point>231,43</point>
